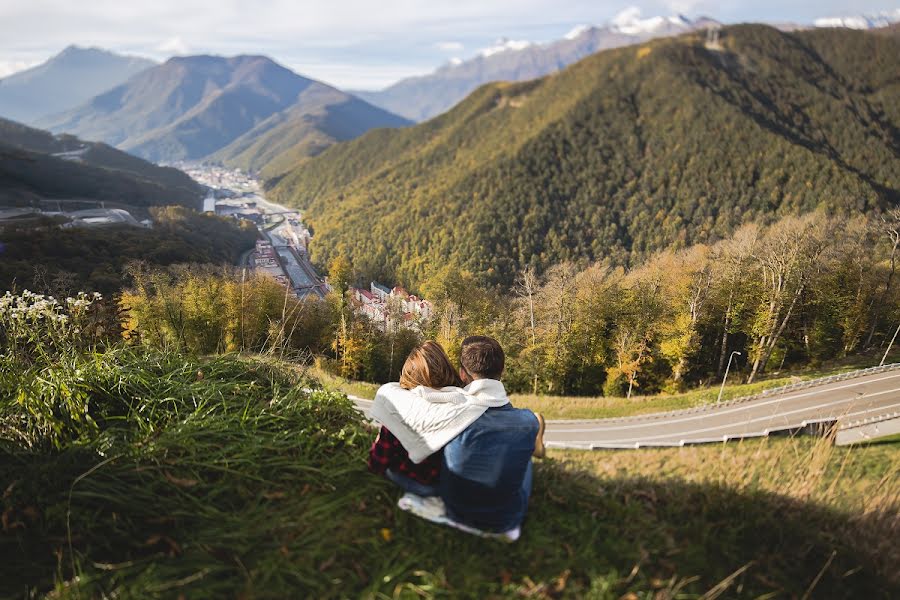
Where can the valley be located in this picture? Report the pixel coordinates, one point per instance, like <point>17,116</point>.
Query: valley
<point>284,253</point>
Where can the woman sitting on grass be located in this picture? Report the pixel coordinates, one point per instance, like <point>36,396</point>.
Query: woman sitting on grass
<point>427,368</point>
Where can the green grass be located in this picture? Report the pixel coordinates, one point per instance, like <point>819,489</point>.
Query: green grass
<point>362,389</point>
<point>221,477</point>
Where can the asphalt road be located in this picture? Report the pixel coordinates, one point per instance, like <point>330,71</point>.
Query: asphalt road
<point>861,406</point>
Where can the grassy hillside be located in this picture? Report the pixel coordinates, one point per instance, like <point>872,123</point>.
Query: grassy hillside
<point>623,153</point>
<point>29,170</point>
<point>138,474</point>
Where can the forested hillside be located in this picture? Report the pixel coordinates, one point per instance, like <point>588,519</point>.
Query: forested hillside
<point>64,261</point>
<point>35,164</point>
<point>425,96</point>
<point>624,153</point>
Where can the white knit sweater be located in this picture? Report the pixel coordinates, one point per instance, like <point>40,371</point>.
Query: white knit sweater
<point>425,420</point>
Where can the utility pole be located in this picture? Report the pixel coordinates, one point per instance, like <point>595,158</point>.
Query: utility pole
<point>886,352</point>
<point>722,389</point>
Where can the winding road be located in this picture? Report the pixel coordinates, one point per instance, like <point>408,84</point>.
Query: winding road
<point>863,405</point>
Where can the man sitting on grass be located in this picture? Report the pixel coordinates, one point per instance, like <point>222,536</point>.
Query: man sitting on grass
<point>486,471</point>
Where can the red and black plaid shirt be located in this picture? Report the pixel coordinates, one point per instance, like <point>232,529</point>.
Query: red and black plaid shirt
<point>388,453</point>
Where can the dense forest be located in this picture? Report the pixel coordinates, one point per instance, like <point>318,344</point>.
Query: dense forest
<point>30,169</point>
<point>47,259</point>
<point>799,292</point>
<point>625,153</point>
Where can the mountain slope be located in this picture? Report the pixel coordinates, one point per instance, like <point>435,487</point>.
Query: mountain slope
<point>35,164</point>
<point>420,98</point>
<point>624,153</point>
<point>192,107</point>
<point>65,81</point>
<point>321,117</point>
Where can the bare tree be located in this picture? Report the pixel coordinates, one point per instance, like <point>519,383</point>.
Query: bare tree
<point>788,258</point>
<point>525,288</point>
<point>890,225</point>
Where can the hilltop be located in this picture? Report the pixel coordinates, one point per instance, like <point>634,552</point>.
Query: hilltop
<point>423,97</point>
<point>65,81</point>
<point>624,153</point>
<point>161,474</point>
<point>35,165</point>
<point>195,106</point>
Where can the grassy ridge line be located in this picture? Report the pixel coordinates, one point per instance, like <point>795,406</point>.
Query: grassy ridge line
<point>222,477</point>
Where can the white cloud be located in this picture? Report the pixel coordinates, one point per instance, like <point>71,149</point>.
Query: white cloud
<point>174,45</point>
<point>8,67</point>
<point>683,6</point>
<point>349,76</point>
<point>355,37</point>
<point>450,46</point>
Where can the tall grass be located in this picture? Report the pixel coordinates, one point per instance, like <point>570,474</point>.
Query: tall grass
<point>226,476</point>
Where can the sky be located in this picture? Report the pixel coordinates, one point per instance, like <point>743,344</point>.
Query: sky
<point>353,44</point>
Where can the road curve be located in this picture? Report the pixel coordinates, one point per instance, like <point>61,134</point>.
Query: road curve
<point>863,405</point>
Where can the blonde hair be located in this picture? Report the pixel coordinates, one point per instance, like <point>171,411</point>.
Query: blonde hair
<point>429,366</point>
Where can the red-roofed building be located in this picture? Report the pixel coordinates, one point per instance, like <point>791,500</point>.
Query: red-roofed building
<point>363,296</point>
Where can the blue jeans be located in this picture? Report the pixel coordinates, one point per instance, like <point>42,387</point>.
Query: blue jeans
<point>411,485</point>
<point>486,473</point>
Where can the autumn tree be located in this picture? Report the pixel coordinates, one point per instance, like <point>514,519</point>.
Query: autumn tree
<point>787,260</point>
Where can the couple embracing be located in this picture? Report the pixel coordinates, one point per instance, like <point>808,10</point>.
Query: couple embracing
<point>453,435</point>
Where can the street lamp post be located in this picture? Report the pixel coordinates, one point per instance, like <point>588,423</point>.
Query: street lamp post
<point>722,389</point>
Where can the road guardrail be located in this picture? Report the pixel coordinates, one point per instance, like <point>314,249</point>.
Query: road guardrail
<point>792,387</point>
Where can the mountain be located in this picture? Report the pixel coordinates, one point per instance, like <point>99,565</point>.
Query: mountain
<point>876,21</point>
<point>35,165</point>
<point>629,151</point>
<point>65,81</point>
<point>420,98</point>
<point>192,107</point>
<point>321,117</point>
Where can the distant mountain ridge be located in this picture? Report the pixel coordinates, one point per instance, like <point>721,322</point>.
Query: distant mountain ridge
<point>190,108</point>
<point>64,81</point>
<point>36,165</point>
<point>423,97</point>
<point>625,153</point>
<point>874,21</point>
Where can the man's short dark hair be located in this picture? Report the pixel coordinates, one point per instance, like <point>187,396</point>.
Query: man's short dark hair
<point>482,357</point>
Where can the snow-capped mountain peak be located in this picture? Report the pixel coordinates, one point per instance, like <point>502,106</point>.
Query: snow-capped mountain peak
<point>576,31</point>
<point>504,44</point>
<point>861,21</point>
<point>629,22</point>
